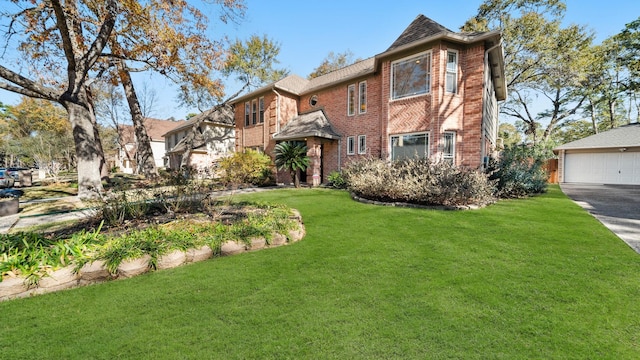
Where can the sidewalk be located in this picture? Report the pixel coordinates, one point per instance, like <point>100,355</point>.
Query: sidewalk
<point>17,221</point>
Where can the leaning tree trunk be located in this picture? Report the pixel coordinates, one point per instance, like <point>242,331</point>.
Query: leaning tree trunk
<point>89,153</point>
<point>145,163</point>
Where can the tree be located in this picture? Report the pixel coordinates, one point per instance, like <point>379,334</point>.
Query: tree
<point>52,32</point>
<point>75,34</point>
<point>509,134</point>
<point>293,158</point>
<point>253,62</point>
<point>544,61</point>
<point>333,62</point>
<point>38,132</point>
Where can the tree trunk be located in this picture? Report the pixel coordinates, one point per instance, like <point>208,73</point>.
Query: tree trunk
<point>296,178</point>
<point>594,118</point>
<point>145,163</point>
<point>89,153</point>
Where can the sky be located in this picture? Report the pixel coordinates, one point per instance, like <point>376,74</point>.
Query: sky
<point>307,31</point>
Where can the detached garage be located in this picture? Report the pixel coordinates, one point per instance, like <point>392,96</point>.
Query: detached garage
<point>611,157</point>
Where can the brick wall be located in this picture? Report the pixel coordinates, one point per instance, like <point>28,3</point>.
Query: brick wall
<point>435,113</point>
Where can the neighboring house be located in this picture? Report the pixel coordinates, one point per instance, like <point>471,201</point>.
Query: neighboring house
<point>214,138</point>
<point>610,157</point>
<point>126,155</point>
<point>433,93</point>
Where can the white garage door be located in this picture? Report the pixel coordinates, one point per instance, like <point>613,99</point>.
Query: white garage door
<point>603,168</point>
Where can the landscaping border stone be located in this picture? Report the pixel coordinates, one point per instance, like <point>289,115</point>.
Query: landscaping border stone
<point>96,271</point>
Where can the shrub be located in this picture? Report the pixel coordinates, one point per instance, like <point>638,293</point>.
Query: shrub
<point>336,180</point>
<point>418,181</point>
<point>248,167</point>
<point>518,172</point>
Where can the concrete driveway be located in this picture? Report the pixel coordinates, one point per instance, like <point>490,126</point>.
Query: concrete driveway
<point>616,206</point>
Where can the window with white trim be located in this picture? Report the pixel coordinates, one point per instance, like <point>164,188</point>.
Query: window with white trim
<point>254,112</point>
<point>411,76</point>
<point>362,144</point>
<point>452,72</point>
<point>351,100</point>
<point>409,146</point>
<point>351,145</point>
<point>261,110</point>
<point>247,110</point>
<point>449,146</point>
<point>362,96</point>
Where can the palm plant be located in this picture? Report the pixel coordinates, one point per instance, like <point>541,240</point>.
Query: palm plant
<point>292,157</point>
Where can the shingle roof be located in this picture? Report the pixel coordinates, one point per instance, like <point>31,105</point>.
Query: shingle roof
<point>218,115</point>
<point>422,27</point>
<point>348,72</point>
<point>156,129</point>
<point>623,136</point>
<point>311,124</point>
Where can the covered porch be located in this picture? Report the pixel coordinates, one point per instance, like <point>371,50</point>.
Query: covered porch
<point>314,130</point>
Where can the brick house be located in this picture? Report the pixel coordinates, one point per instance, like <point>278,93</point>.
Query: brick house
<point>433,93</point>
<point>125,158</point>
<point>214,139</point>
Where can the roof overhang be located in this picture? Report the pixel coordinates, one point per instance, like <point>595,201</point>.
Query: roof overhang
<point>312,124</point>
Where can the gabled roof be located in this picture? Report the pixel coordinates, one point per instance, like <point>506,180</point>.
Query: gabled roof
<point>220,115</point>
<point>420,28</point>
<point>623,136</point>
<point>311,124</point>
<point>156,129</point>
<point>421,31</point>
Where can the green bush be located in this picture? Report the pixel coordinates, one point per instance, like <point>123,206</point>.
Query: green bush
<point>518,172</point>
<point>418,181</point>
<point>336,180</point>
<point>248,167</point>
<point>33,255</point>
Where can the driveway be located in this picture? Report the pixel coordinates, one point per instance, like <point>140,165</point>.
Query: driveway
<point>616,206</point>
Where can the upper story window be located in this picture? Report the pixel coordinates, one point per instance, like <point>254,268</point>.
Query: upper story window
<point>351,100</point>
<point>247,110</point>
<point>362,96</point>
<point>452,72</point>
<point>411,76</point>
<point>313,101</point>
<point>261,108</point>
<point>254,112</point>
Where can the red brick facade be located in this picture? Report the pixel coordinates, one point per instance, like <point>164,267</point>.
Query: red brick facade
<point>434,113</point>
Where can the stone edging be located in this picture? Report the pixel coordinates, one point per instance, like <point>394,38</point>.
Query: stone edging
<point>96,271</point>
<point>417,206</point>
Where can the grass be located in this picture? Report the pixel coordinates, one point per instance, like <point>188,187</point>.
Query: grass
<point>521,279</point>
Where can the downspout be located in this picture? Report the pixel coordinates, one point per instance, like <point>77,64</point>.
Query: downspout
<point>277,110</point>
<point>277,120</point>
<point>483,142</point>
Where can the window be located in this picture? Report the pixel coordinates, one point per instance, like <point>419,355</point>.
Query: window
<point>254,112</point>
<point>363,97</point>
<point>411,76</point>
<point>452,72</point>
<point>247,109</point>
<point>362,144</point>
<point>261,108</point>
<point>351,100</point>
<point>313,101</point>
<point>351,145</point>
<point>409,146</point>
<point>449,147</point>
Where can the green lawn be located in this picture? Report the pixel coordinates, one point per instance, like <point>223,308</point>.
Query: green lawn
<point>522,279</point>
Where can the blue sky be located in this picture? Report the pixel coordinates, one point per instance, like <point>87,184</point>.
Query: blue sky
<point>308,30</point>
